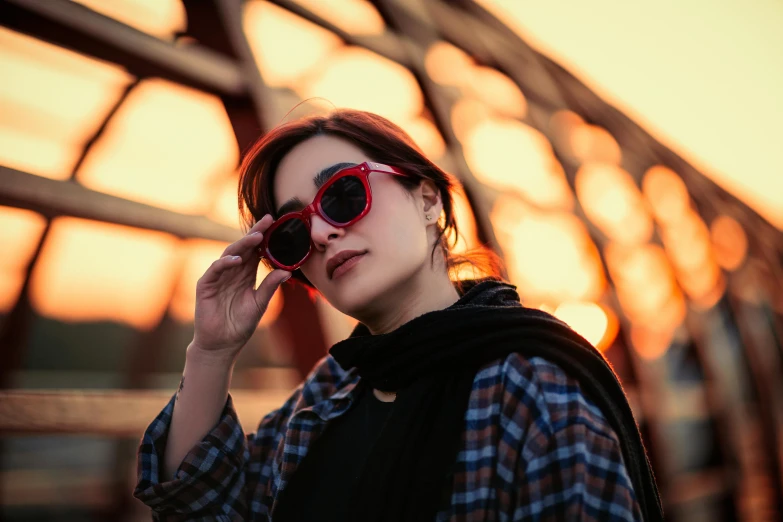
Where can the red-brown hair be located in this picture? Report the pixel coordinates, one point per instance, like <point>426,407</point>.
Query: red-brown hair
<point>383,142</point>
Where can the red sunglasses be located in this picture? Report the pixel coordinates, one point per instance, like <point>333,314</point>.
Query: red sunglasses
<point>342,201</point>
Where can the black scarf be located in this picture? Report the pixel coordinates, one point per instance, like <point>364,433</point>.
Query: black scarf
<point>431,362</point>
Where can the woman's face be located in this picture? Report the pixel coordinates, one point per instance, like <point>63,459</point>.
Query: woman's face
<point>393,235</point>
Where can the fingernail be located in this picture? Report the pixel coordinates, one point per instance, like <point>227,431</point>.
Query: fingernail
<point>236,258</point>
<point>286,278</point>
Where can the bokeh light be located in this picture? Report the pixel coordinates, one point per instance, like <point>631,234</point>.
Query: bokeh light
<point>160,18</point>
<point>352,16</point>
<point>447,64</point>
<point>285,46</point>
<point>612,201</point>
<point>360,79</point>
<point>466,222</point>
<point>51,101</point>
<point>581,142</point>
<point>92,271</point>
<point>199,147</point>
<point>595,323</point>
<point>646,285</point>
<point>225,208</point>
<point>549,256</point>
<point>666,193</point>
<point>20,232</point>
<point>729,242</point>
<point>451,66</point>
<point>426,136</point>
<point>688,244</point>
<point>507,154</point>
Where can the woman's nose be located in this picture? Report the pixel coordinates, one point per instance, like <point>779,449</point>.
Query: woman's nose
<point>321,231</point>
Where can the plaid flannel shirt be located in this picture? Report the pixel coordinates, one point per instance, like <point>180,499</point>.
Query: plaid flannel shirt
<point>534,448</point>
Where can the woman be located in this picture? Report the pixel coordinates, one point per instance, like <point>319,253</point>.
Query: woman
<point>449,401</point>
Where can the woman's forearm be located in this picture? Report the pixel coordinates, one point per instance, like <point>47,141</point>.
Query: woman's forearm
<point>200,401</point>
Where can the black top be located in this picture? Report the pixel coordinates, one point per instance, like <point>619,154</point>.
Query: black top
<point>320,487</point>
<point>432,360</point>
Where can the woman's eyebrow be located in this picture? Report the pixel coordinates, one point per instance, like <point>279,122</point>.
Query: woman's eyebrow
<point>289,206</point>
<point>319,180</point>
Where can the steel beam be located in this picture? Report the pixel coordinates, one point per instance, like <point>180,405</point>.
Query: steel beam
<point>74,26</point>
<point>386,44</point>
<point>53,198</point>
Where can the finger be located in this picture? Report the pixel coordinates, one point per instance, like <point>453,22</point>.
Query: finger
<point>268,286</point>
<point>244,246</point>
<point>251,239</point>
<point>218,267</point>
<point>262,224</point>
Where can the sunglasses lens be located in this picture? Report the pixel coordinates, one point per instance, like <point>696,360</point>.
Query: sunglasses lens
<point>289,242</point>
<point>344,199</point>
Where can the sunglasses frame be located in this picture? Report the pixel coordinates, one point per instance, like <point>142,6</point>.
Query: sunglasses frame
<point>361,171</point>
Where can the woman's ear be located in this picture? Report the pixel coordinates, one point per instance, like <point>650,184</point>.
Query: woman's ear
<point>431,201</point>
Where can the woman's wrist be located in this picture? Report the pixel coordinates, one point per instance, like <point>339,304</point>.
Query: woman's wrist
<point>200,401</point>
<point>196,355</point>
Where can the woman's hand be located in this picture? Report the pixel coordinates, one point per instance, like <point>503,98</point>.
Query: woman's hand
<point>228,308</point>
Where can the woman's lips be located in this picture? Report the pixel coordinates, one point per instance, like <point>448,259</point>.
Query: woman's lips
<point>343,268</point>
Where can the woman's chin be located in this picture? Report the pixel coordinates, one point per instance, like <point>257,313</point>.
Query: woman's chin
<point>359,297</point>
<point>361,290</point>
<point>353,301</point>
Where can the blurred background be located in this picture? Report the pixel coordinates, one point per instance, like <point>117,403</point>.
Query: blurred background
<point>623,160</point>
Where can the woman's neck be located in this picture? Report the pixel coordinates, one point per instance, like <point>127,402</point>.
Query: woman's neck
<point>425,293</point>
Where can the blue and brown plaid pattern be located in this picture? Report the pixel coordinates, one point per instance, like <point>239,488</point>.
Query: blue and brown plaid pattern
<point>534,448</point>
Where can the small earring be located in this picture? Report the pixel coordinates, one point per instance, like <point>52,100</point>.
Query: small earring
<point>428,217</point>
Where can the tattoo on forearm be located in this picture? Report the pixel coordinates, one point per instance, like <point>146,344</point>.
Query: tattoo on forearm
<point>181,385</point>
